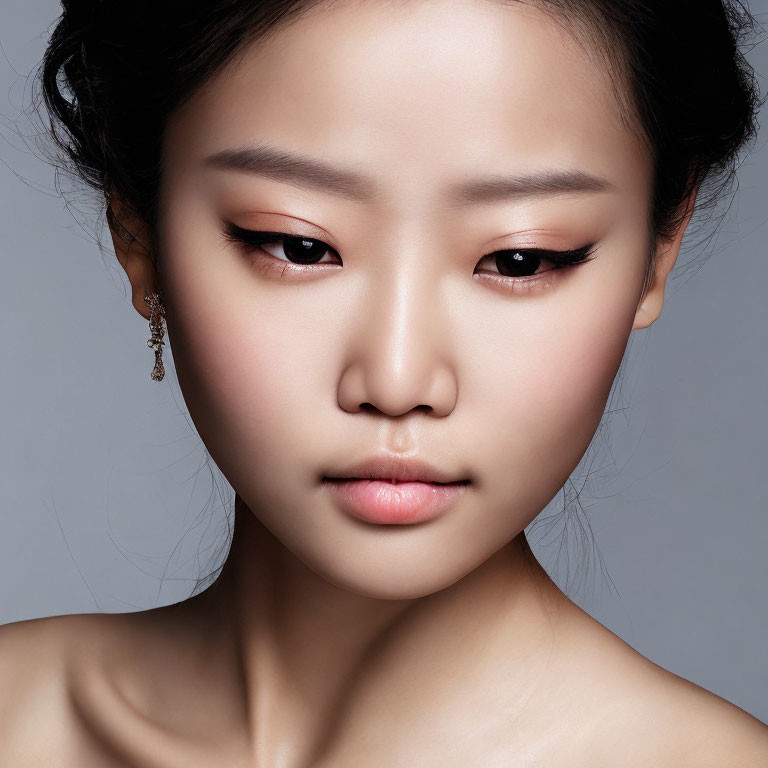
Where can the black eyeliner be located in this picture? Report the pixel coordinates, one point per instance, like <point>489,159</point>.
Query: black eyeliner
<point>257,238</point>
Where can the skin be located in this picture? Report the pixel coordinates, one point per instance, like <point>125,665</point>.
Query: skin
<point>329,642</point>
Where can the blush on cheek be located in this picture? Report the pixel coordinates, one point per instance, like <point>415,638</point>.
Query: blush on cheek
<point>594,343</point>
<point>251,386</point>
<point>569,387</point>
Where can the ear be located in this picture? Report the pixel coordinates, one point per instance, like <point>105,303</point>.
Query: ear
<point>134,249</point>
<point>665,256</point>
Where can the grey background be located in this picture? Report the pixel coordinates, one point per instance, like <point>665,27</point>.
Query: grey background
<point>109,504</point>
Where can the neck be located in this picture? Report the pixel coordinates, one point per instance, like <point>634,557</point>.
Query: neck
<point>304,648</point>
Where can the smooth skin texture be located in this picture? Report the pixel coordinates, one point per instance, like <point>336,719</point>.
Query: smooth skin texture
<point>329,642</point>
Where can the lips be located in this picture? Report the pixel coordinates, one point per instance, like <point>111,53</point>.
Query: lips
<point>391,489</point>
<point>383,502</point>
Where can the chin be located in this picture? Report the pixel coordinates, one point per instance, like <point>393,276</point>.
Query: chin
<point>393,570</point>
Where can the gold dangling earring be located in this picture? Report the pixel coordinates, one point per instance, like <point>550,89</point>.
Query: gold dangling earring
<point>156,315</point>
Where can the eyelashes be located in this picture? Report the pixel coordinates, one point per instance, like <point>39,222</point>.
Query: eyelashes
<point>516,269</point>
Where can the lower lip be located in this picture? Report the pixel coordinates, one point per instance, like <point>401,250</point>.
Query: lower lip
<point>379,501</point>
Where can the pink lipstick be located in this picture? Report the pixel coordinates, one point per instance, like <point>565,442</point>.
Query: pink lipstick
<point>391,489</point>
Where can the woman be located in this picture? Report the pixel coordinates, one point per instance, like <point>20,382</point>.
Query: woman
<point>399,250</point>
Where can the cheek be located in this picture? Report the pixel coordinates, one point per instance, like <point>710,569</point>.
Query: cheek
<point>251,374</point>
<point>543,388</point>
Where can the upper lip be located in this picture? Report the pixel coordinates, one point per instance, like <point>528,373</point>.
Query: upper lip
<point>396,467</point>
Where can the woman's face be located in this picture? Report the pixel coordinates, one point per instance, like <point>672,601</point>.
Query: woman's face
<point>420,323</point>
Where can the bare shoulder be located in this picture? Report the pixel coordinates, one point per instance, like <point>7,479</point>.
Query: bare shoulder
<point>34,711</point>
<point>32,661</point>
<point>699,729</point>
<point>49,667</point>
<point>646,715</point>
<point>104,690</point>
<point>703,730</point>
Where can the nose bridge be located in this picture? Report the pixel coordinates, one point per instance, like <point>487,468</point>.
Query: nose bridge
<point>401,357</point>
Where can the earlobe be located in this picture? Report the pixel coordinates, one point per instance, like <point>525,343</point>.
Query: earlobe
<point>131,239</point>
<point>647,313</point>
<point>652,302</point>
<point>665,257</point>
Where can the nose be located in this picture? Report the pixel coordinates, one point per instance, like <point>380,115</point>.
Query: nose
<point>399,356</point>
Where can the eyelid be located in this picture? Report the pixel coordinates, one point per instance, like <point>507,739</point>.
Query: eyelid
<point>256,239</point>
<point>303,229</point>
<point>560,258</point>
<point>538,250</point>
<point>236,232</point>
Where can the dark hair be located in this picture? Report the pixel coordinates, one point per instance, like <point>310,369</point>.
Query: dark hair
<point>114,70</point>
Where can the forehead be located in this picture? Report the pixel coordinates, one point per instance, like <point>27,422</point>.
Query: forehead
<point>417,89</point>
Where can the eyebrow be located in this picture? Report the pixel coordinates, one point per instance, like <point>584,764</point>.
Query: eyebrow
<point>271,162</point>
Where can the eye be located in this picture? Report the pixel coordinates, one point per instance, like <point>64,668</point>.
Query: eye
<point>290,249</point>
<point>517,269</point>
<point>523,262</point>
